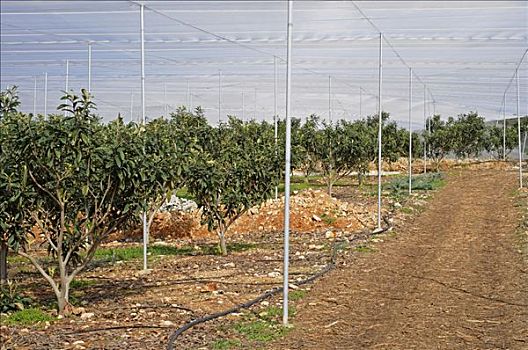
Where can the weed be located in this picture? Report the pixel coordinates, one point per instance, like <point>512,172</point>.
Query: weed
<point>364,249</point>
<point>329,220</point>
<point>81,283</point>
<point>260,330</point>
<point>11,299</point>
<point>296,295</point>
<point>27,317</point>
<point>226,344</point>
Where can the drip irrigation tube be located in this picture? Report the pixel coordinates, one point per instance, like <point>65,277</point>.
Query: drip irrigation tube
<point>329,267</point>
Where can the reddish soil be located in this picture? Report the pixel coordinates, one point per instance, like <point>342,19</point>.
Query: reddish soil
<point>453,279</point>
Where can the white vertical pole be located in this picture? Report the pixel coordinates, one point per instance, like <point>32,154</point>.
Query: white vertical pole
<point>287,170</point>
<point>243,107</point>
<point>380,121</point>
<point>131,106</point>
<point>188,96</point>
<point>275,116</point>
<point>330,99</point>
<point>35,97</point>
<point>504,126</point>
<point>46,94</point>
<point>142,40</point>
<point>66,84</point>
<point>255,106</point>
<point>360,101</point>
<point>165,98</point>
<point>89,67</point>
<point>519,130</point>
<point>410,131</point>
<point>219,96</point>
<point>425,132</point>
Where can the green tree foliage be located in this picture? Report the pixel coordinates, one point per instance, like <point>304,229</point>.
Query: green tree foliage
<point>89,179</point>
<point>468,132</point>
<point>235,175</point>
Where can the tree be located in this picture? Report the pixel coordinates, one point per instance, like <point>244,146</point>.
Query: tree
<point>494,140</point>
<point>15,193</point>
<point>468,134</point>
<point>89,180</point>
<point>440,139</point>
<point>235,175</point>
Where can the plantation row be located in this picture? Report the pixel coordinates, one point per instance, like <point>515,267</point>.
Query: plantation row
<point>75,180</point>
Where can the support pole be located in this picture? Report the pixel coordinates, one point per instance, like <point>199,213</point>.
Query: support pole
<point>519,130</point>
<point>287,170</point>
<point>165,109</point>
<point>219,97</point>
<point>131,106</point>
<point>243,106</point>
<point>66,84</point>
<point>330,99</point>
<point>46,94</point>
<point>255,106</point>
<point>275,116</point>
<point>89,67</point>
<point>380,121</point>
<point>360,101</point>
<point>504,126</point>
<point>143,120</point>
<point>35,97</point>
<point>410,131</point>
<point>425,132</point>
<point>188,96</point>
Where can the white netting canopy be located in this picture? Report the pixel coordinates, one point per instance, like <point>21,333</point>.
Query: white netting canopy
<point>464,52</point>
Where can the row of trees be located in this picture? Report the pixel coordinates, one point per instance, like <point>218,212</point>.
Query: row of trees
<point>74,180</point>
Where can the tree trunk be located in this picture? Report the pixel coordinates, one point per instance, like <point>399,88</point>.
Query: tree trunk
<point>330,184</point>
<point>360,178</point>
<point>223,246</point>
<point>3,262</point>
<point>64,306</point>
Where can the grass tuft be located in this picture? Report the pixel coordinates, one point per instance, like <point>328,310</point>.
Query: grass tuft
<point>27,317</point>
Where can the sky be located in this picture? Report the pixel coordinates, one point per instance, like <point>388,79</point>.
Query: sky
<point>224,56</point>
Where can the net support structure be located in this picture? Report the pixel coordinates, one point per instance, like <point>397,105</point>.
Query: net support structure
<point>275,116</point>
<point>46,93</point>
<point>410,131</point>
<point>67,83</point>
<point>330,99</point>
<point>219,97</point>
<point>35,98</point>
<point>143,119</point>
<point>425,129</point>
<point>504,127</point>
<point>287,169</point>
<point>380,122</point>
<point>89,67</point>
<point>519,130</point>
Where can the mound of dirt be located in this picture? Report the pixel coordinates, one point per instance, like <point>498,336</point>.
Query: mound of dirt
<point>311,211</point>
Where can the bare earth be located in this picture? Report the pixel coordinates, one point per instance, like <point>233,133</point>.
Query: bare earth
<point>455,279</point>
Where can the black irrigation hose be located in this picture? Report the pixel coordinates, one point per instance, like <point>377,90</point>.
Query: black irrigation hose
<point>329,267</point>
<point>246,305</point>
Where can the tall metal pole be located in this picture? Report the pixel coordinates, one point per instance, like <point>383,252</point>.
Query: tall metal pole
<point>243,107</point>
<point>380,121</point>
<point>360,101</point>
<point>330,99</point>
<point>89,67</point>
<point>165,98</point>
<point>275,116</point>
<point>35,97</point>
<point>46,94</point>
<point>519,130</point>
<point>131,106</point>
<point>188,96</point>
<point>410,131</point>
<point>255,106</point>
<point>287,170</point>
<point>504,126</point>
<point>66,84</point>
<point>425,132</point>
<point>219,96</point>
<point>142,40</point>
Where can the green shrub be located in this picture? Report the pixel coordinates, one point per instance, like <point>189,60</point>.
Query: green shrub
<point>11,300</point>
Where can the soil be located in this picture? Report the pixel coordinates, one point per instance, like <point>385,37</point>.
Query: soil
<point>449,276</point>
<point>455,278</point>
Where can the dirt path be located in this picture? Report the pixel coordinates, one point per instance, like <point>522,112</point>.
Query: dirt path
<point>454,280</point>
